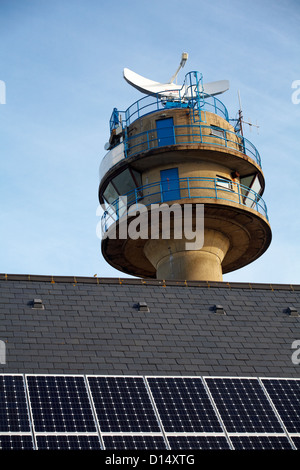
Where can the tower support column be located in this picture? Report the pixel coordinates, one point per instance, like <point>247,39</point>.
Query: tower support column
<point>172,260</point>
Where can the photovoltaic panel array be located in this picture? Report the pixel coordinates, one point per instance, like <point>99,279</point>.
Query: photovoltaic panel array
<point>127,412</point>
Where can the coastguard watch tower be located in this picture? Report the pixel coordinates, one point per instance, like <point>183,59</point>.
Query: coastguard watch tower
<point>177,148</point>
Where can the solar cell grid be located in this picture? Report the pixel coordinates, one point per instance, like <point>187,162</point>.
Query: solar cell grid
<point>60,404</point>
<point>198,442</point>
<point>260,442</point>
<point>243,405</point>
<point>134,442</point>
<point>14,415</point>
<point>68,442</point>
<point>122,404</point>
<point>183,404</point>
<point>285,394</point>
<point>16,442</point>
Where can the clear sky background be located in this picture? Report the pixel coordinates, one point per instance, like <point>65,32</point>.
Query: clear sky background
<point>62,62</point>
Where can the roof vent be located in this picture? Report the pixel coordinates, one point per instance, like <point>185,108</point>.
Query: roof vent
<point>219,309</point>
<point>37,303</point>
<point>292,311</point>
<point>143,307</point>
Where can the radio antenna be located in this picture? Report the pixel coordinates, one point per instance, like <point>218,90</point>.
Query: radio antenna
<point>241,119</point>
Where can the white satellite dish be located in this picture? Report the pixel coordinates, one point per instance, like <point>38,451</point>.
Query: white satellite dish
<point>170,89</point>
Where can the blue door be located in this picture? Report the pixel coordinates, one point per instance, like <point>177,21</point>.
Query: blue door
<point>170,184</point>
<point>165,132</point>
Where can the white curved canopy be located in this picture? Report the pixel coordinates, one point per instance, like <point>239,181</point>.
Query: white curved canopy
<point>150,87</point>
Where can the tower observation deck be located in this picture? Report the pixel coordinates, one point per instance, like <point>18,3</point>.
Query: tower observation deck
<point>173,159</point>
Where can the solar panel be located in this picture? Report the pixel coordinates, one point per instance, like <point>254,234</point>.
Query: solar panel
<point>122,404</point>
<point>16,442</point>
<point>260,443</point>
<point>183,404</point>
<point>60,404</point>
<point>198,442</point>
<point>127,442</point>
<point>285,395</point>
<point>126,412</point>
<point>68,442</point>
<point>243,405</point>
<point>14,416</point>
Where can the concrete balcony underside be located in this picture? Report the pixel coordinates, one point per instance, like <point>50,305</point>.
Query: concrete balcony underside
<point>248,232</point>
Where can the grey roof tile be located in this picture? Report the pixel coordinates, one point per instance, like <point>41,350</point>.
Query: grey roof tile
<point>93,326</point>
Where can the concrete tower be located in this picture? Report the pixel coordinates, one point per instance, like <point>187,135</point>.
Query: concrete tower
<point>176,148</point>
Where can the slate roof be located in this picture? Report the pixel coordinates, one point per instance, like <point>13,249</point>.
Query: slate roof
<point>94,326</point>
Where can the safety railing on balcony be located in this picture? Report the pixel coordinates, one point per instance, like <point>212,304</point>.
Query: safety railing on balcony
<point>151,104</point>
<point>192,134</point>
<point>215,189</point>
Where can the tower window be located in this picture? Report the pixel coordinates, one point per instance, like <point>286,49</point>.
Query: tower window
<point>217,131</point>
<point>224,183</point>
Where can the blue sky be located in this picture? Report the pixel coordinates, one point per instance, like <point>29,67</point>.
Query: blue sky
<point>62,64</point>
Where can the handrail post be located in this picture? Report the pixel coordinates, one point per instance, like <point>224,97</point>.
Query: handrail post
<point>161,192</point>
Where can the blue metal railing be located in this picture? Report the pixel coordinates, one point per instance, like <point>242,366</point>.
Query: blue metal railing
<point>187,188</point>
<point>192,134</point>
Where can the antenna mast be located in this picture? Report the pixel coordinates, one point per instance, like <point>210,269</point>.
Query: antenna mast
<point>240,118</point>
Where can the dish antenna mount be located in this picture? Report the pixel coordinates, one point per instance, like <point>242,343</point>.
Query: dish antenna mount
<point>171,89</point>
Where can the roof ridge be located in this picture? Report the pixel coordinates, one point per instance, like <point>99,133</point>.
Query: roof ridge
<point>144,281</point>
